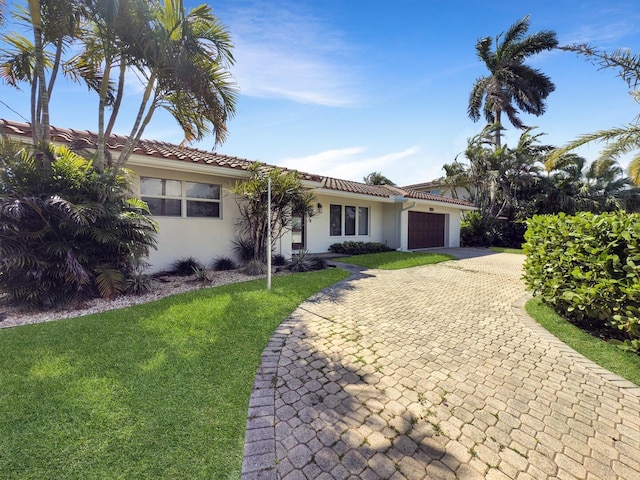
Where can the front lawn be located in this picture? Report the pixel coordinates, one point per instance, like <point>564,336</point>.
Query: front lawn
<point>159,390</point>
<point>396,260</point>
<point>614,359</point>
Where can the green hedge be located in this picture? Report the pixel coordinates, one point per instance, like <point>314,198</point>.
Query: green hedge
<point>359,248</point>
<point>587,267</point>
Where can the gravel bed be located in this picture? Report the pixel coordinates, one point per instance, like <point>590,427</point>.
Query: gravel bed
<point>162,287</point>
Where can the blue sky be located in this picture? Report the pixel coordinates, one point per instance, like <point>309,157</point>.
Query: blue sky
<point>344,88</point>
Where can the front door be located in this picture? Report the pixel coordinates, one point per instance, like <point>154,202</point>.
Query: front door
<point>297,232</point>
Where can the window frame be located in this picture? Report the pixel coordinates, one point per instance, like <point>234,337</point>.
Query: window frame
<point>348,224</point>
<point>184,199</point>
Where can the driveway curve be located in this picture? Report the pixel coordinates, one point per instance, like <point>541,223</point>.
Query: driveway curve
<point>434,372</point>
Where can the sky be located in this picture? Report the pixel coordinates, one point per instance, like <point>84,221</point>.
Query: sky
<point>344,88</point>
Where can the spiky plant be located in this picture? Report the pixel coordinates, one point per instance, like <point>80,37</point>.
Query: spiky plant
<point>67,231</point>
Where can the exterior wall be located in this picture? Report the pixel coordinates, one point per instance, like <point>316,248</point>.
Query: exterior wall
<point>201,238</point>
<point>391,228</point>
<point>318,238</point>
<point>208,238</point>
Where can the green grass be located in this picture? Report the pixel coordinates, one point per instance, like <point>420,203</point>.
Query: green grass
<point>396,260</point>
<point>506,250</point>
<point>614,359</point>
<point>159,390</point>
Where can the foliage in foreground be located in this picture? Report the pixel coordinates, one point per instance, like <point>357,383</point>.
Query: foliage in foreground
<point>587,267</point>
<point>396,260</point>
<point>288,197</point>
<point>66,230</point>
<point>615,360</point>
<point>159,390</point>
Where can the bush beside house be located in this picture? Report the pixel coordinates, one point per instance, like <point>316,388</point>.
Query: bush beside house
<point>587,267</point>
<point>66,230</point>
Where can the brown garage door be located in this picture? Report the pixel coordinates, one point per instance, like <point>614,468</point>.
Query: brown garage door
<point>426,230</point>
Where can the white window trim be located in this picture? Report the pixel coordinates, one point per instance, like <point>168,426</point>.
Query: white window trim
<point>343,221</point>
<point>183,199</point>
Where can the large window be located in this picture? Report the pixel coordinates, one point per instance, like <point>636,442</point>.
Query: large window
<point>356,220</point>
<point>335,220</point>
<point>174,198</point>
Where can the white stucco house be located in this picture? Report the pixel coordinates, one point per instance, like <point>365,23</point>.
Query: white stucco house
<point>189,193</point>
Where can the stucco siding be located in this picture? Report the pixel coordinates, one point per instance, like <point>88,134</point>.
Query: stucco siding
<point>318,238</point>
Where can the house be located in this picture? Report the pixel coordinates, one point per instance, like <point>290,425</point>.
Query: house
<point>189,193</point>
<point>440,187</point>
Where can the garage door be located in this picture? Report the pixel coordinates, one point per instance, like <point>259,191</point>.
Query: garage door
<point>426,230</point>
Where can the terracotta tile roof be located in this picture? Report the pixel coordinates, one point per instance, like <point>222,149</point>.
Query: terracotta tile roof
<point>79,139</point>
<point>418,186</point>
<point>386,191</point>
<point>153,148</point>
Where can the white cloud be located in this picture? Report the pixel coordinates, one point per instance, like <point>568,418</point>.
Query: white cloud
<point>283,52</point>
<point>353,164</point>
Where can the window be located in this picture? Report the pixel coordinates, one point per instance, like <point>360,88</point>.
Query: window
<point>174,198</point>
<point>335,220</point>
<point>349,220</point>
<point>363,221</point>
<point>356,220</point>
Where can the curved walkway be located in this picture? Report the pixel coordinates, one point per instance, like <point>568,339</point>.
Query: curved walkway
<point>434,372</point>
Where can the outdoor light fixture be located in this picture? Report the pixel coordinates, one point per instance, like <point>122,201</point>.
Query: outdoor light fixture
<point>319,208</point>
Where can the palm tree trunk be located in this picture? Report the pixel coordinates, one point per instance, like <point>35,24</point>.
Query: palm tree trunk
<point>119,94</point>
<point>497,139</point>
<point>104,89</point>
<point>56,67</point>
<point>136,132</point>
<point>42,135</point>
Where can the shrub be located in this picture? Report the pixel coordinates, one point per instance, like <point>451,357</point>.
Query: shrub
<point>358,248</point>
<point>475,230</point>
<point>587,267</point>
<point>479,231</point>
<point>279,260</point>
<point>255,267</point>
<point>244,249</point>
<point>301,262</point>
<point>67,230</point>
<point>139,283</point>
<point>319,263</point>
<point>186,266</point>
<point>223,263</point>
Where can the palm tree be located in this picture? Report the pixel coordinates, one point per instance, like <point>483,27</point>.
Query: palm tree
<point>573,185</point>
<point>376,178</point>
<point>511,85</point>
<point>182,56</point>
<point>621,140</point>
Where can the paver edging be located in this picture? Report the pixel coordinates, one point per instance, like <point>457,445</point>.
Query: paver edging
<point>620,382</point>
<point>259,456</point>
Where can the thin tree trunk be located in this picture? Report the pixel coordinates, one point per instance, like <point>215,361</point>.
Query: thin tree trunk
<point>119,94</point>
<point>498,141</point>
<point>104,89</point>
<point>56,67</point>
<point>136,132</point>
<point>42,134</point>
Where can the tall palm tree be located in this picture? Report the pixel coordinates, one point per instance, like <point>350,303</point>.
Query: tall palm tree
<point>621,140</point>
<point>511,86</point>
<point>182,56</point>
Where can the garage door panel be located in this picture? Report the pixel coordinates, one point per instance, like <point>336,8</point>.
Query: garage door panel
<point>426,230</point>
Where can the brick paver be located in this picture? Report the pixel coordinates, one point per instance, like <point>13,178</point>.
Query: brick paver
<point>434,372</point>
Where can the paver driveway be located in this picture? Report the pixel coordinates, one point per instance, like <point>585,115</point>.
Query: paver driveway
<point>432,372</point>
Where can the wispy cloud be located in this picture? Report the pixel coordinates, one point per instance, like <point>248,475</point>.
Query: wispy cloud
<point>285,52</point>
<point>353,163</point>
